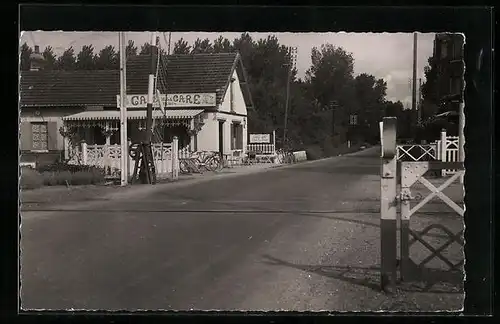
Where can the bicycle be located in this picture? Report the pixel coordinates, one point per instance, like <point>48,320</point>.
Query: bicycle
<point>210,160</point>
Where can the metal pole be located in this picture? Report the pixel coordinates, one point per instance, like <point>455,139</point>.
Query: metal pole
<point>123,111</point>
<point>291,65</point>
<point>414,87</point>
<point>419,105</point>
<point>149,107</point>
<point>169,39</point>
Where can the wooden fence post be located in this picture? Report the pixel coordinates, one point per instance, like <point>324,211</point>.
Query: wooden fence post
<point>175,158</point>
<point>84,153</point>
<point>444,147</point>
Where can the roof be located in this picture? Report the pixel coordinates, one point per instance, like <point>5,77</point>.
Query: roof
<point>134,114</point>
<point>189,73</point>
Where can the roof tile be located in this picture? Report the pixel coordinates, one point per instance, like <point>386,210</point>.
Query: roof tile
<point>182,73</point>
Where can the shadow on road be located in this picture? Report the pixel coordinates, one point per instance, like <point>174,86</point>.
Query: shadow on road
<point>426,280</point>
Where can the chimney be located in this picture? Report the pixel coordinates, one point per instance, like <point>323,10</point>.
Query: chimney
<point>36,59</point>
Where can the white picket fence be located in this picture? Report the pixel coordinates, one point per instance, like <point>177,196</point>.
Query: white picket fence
<point>108,157</point>
<point>261,148</point>
<point>265,153</point>
<point>445,149</point>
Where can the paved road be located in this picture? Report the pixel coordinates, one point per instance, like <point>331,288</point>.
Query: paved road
<point>297,238</point>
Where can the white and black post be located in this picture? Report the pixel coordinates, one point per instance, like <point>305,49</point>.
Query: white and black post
<point>388,207</point>
<point>123,111</point>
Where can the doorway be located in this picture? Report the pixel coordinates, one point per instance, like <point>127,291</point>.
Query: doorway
<point>221,137</point>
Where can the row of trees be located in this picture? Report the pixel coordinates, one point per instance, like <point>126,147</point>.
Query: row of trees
<point>320,105</point>
<point>106,59</point>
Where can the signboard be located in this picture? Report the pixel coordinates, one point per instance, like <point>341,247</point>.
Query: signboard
<point>260,138</point>
<point>171,100</point>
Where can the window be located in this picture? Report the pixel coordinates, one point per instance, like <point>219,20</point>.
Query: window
<point>457,49</point>
<point>236,136</point>
<point>444,49</point>
<point>40,136</point>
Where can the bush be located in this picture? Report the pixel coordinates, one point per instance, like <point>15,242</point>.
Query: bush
<point>49,178</point>
<point>30,179</point>
<point>314,152</point>
<point>328,148</point>
<point>63,178</point>
<point>73,168</point>
<point>82,178</point>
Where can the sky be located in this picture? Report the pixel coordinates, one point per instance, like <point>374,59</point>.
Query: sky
<point>385,55</point>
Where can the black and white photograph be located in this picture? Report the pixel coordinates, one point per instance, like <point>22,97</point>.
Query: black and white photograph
<point>242,171</point>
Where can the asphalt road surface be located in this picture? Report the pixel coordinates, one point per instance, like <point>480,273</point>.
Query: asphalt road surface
<point>296,238</point>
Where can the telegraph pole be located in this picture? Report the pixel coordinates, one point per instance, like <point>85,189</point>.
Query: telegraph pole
<point>123,110</point>
<point>169,39</point>
<point>414,90</point>
<point>291,65</point>
<point>419,104</point>
<point>151,79</point>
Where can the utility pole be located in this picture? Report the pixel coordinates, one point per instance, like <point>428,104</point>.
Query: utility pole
<point>169,39</point>
<point>123,110</point>
<point>414,92</point>
<point>151,79</point>
<point>419,104</point>
<point>291,65</point>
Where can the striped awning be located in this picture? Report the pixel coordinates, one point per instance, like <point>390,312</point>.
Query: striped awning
<point>134,114</point>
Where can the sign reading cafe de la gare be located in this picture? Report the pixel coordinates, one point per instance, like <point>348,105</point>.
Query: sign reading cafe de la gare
<point>171,100</point>
<point>260,138</point>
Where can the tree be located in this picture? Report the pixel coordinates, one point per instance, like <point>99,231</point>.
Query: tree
<point>430,96</point>
<point>67,60</point>
<point>331,70</point>
<point>331,84</point>
<point>370,97</point>
<point>145,49</point>
<point>181,47</point>
<point>49,58</point>
<point>25,53</point>
<point>245,46</point>
<point>85,60</point>
<point>131,49</point>
<point>202,47</point>
<point>222,45</point>
<point>107,59</point>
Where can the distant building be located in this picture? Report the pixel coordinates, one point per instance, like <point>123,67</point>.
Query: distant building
<point>449,58</point>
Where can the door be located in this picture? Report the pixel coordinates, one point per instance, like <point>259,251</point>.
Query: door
<point>221,137</point>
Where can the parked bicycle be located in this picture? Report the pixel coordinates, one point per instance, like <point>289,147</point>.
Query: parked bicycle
<point>210,160</point>
<point>198,162</point>
<point>284,156</point>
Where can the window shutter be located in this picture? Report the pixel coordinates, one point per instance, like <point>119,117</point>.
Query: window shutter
<point>26,142</point>
<point>52,134</point>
